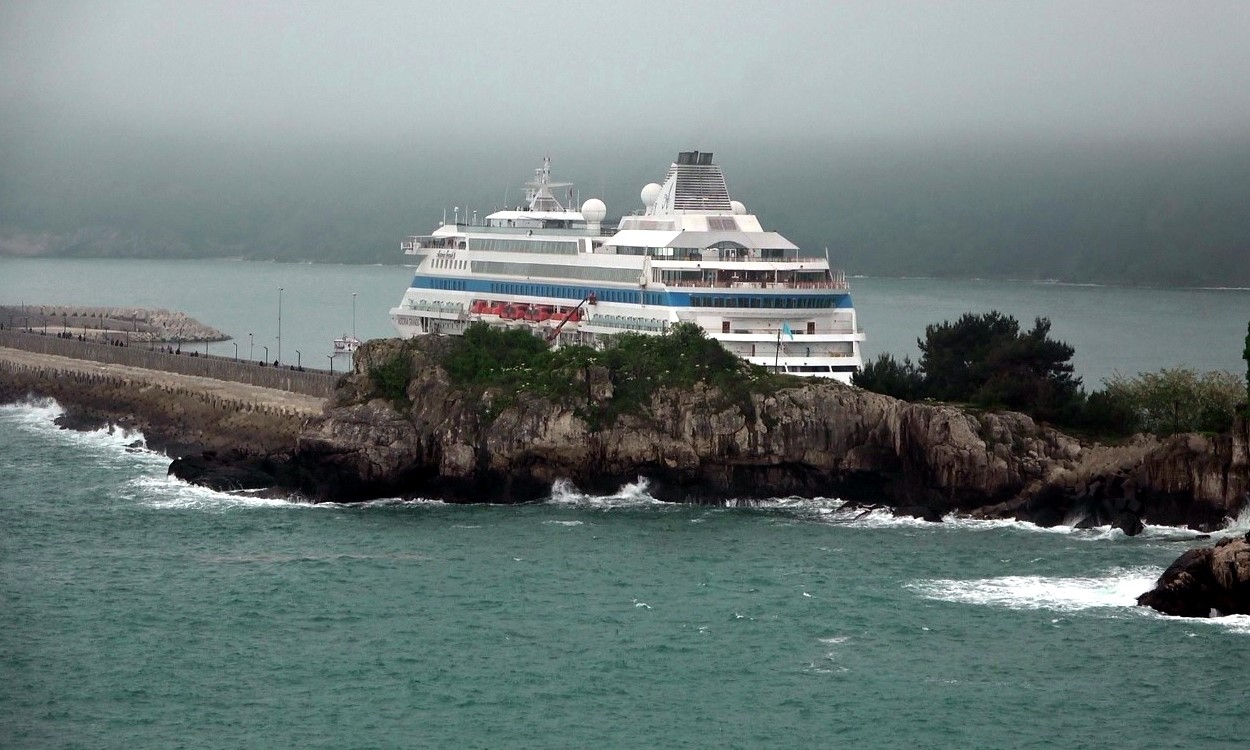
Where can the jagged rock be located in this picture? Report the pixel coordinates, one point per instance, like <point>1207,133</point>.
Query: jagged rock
<point>1204,582</point>
<point>694,445</point>
<point>817,438</point>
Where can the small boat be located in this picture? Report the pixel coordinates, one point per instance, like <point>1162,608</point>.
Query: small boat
<point>346,345</point>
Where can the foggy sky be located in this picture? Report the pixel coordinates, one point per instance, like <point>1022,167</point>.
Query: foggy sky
<point>675,74</point>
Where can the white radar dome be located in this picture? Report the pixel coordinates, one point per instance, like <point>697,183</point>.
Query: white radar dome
<point>737,207</point>
<point>650,193</point>
<point>594,210</point>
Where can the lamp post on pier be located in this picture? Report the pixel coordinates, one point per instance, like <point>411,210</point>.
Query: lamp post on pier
<point>297,360</point>
<point>353,315</point>
<point>279,326</point>
<point>236,350</point>
<point>266,353</point>
<point>331,358</point>
<point>251,351</point>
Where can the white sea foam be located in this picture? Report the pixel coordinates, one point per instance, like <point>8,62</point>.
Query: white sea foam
<point>1120,587</point>
<point>170,493</point>
<point>108,446</point>
<point>1238,526</point>
<point>632,495</point>
<point>815,505</point>
<point>1239,624</point>
<point>39,416</point>
<point>390,502</point>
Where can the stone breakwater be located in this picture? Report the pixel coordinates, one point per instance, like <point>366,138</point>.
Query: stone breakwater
<point>177,413</point>
<point>132,324</point>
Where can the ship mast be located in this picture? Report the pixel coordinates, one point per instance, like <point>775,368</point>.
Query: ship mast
<point>538,190</point>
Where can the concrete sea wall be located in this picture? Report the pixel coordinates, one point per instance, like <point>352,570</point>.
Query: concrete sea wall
<point>176,413</point>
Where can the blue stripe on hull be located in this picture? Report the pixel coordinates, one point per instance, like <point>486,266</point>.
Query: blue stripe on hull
<point>717,299</point>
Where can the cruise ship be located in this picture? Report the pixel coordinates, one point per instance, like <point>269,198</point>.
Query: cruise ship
<point>690,254</point>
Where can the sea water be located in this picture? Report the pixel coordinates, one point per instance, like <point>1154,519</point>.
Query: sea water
<point>140,612</point>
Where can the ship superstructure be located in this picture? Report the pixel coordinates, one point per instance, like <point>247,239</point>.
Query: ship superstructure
<point>692,254</point>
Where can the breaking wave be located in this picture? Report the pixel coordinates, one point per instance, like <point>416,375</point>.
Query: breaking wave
<point>1120,587</point>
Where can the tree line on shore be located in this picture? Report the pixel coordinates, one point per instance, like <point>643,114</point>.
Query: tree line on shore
<point>988,361</point>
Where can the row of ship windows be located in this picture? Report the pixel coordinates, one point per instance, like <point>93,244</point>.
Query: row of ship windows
<point>767,303</point>
<point>549,247</point>
<point>587,273</point>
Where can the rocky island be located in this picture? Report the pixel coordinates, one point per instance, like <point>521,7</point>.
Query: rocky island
<point>401,425</point>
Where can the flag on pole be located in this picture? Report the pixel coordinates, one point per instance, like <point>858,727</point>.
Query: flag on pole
<point>785,328</point>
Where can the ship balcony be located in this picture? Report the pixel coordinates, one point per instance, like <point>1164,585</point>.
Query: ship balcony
<point>626,323</point>
<point>843,332</point>
<point>445,308</point>
<point>728,278</point>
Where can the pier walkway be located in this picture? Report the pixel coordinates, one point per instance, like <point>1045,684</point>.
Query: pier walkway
<point>316,384</point>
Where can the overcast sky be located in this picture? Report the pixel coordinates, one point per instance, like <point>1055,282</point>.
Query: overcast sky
<point>672,72</point>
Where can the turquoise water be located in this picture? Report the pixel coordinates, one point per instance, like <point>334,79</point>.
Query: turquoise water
<point>1113,329</point>
<point>139,612</point>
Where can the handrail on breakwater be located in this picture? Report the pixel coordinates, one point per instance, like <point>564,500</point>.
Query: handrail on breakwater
<point>307,382</point>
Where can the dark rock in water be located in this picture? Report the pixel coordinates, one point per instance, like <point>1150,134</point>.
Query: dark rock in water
<point>1129,523</point>
<point>234,471</point>
<point>1205,580</point>
<point>923,512</point>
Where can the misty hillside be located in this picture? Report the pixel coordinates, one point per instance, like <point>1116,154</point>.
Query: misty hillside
<point>1130,215</point>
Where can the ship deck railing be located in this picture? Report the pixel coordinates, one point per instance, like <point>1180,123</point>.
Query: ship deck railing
<point>797,333</point>
<point>443,307</point>
<point>650,325</point>
<point>758,284</point>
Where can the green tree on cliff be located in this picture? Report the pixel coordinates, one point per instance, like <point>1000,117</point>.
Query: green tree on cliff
<point>1178,400</point>
<point>887,375</point>
<point>988,361</point>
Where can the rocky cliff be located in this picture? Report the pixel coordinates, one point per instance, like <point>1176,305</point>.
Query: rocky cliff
<point>697,445</point>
